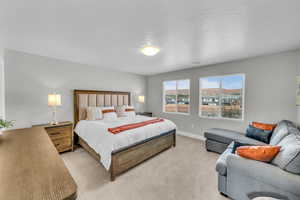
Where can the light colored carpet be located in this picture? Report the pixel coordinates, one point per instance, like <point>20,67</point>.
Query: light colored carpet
<point>185,172</point>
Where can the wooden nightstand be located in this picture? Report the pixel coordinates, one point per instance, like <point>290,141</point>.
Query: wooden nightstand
<point>149,114</point>
<point>61,135</point>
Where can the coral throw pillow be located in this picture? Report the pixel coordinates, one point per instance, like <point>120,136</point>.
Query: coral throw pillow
<point>260,153</point>
<point>129,111</point>
<point>266,127</point>
<point>109,113</point>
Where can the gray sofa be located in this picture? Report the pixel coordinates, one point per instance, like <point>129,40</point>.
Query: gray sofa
<point>244,179</point>
<point>217,140</point>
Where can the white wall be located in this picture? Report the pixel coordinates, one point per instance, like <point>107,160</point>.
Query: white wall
<point>30,78</point>
<point>270,93</point>
<point>2,111</point>
<point>298,74</point>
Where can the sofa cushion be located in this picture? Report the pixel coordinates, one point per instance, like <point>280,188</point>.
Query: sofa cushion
<point>289,157</point>
<point>258,134</point>
<point>227,136</point>
<point>282,129</point>
<point>221,165</point>
<point>246,140</point>
<point>222,135</point>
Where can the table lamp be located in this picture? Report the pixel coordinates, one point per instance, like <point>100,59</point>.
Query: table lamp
<point>54,100</point>
<point>142,99</point>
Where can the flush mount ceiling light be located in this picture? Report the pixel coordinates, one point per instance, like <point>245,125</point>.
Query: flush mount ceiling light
<point>149,50</point>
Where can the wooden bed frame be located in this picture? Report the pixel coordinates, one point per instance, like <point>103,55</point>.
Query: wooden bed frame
<point>125,158</point>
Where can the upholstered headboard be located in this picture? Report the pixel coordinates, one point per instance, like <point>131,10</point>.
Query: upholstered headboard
<point>86,98</point>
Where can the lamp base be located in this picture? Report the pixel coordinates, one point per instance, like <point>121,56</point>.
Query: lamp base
<point>54,122</point>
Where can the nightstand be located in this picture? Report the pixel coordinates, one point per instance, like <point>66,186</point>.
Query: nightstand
<point>149,114</point>
<point>61,135</point>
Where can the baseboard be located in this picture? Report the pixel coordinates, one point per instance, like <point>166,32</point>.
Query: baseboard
<point>191,135</point>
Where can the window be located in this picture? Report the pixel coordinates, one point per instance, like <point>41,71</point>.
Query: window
<point>176,96</point>
<point>222,96</point>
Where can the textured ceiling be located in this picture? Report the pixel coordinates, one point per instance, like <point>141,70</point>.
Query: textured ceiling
<point>190,33</point>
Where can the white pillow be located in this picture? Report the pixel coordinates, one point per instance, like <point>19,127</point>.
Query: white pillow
<point>129,111</point>
<point>109,113</point>
<point>94,113</point>
<point>120,110</point>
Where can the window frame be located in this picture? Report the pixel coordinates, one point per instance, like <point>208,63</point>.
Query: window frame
<point>219,117</point>
<point>164,99</point>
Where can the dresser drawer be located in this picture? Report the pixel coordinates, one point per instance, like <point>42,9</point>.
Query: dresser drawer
<point>59,132</point>
<point>63,144</point>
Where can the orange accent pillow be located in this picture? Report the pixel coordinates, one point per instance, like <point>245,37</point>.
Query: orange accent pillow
<point>260,153</point>
<point>108,111</point>
<point>129,109</point>
<point>266,127</point>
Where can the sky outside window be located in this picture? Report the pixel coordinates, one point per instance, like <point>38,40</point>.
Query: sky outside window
<point>232,82</point>
<point>170,85</point>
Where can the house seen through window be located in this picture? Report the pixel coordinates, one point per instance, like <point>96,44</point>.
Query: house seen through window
<point>222,96</point>
<point>176,96</point>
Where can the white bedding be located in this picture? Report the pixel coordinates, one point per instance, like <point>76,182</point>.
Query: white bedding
<point>95,133</point>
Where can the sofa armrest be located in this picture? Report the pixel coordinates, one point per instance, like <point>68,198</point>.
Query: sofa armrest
<point>264,172</point>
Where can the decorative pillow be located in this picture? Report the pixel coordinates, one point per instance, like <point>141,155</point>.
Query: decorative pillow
<point>238,144</point>
<point>109,113</point>
<point>266,127</point>
<point>94,113</point>
<point>260,153</point>
<point>120,110</point>
<point>129,111</point>
<point>258,134</point>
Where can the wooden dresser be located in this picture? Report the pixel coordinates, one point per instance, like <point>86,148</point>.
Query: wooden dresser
<point>31,168</point>
<point>61,135</point>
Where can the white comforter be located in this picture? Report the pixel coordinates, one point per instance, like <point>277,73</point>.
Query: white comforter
<point>95,133</point>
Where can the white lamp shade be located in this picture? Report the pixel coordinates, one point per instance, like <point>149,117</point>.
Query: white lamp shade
<point>54,100</point>
<point>141,99</point>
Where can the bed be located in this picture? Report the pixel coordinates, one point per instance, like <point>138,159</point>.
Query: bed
<point>121,152</point>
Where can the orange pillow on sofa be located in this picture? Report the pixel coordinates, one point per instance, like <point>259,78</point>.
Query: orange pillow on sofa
<point>260,153</point>
<point>266,127</point>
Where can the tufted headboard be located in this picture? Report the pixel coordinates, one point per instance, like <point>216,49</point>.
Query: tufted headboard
<point>85,98</point>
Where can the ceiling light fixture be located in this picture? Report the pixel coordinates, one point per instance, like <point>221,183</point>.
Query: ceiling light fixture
<point>150,50</point>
